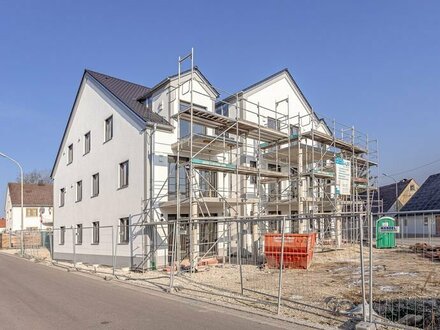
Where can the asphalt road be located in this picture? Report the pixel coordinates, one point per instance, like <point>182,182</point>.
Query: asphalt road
<point>34,296</point>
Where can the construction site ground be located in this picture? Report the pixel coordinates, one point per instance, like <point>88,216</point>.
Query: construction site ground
<point>327,293</point>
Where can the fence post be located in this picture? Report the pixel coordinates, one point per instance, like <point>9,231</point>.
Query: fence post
<point>361,246</point>
<point>173,254</point>
<point>51,234</point>
<point>116,245</point>
<point>280,274</point>
<point>370,225</point>
<point>73,247</point>
<point>239,247</point>
<point>113,252</point>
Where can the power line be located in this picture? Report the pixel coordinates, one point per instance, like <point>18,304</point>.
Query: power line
<point>416,168</point>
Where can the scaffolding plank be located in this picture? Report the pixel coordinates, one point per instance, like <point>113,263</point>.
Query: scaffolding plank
<point>329,140</point>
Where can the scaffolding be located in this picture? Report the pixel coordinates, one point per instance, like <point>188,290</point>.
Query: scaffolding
<point>243,160</point>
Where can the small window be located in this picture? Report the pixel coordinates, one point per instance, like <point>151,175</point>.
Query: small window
<point>95,185</point>
<point>70,154</point>
<point>79,194</point>
<point>62,196</point>
<point>31,212</point>
<point>109,128</point>
<point>123,230</point>
<point>273,123</point>
<point>95,238</point>
<point>274,167</point>
<point>223,109</point>
<point>62,235</point>
<point>123,174</point>
<point>412,187</point>
<point>79,234</point>
<point>87,143</point>
<point>426,221</point>
<point>293,130</point>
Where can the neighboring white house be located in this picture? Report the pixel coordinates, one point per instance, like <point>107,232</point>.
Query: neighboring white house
<point>119,153</point>
<point>420,216</point>
<point>38,206</point>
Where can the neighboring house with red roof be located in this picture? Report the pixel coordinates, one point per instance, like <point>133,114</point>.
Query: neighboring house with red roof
<point>2,225</point>
<point>37,204</point>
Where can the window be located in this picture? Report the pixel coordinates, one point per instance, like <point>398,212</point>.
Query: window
<point>172,178</point>
<point>123,174</point>
<point>293,130</point>
<point>223,110</point>
<point>109,128</point>
<point>79,234</point>
<point>69,154</point>
<point>31,212</point>
<point>273,123</point>
<point>253,178</point>
<point>95,238</point>
<point>208,183</point>
<point>62,196</point>
<point>79,191</point>
<point>123,230</point>
<point>274,167</point>
<point>426,221</point>
<point>95,185</point>
<point>186,131</point>
<point>412,187</point>
<point>62,235</point>
<point>87,143</point>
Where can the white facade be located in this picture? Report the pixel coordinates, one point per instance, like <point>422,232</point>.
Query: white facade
<point>150,150</point>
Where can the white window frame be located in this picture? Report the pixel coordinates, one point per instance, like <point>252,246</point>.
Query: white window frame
<point>62,200</point>
<point>79,191</point>
<point>95,232</point>
<point>62,235</point>
<point>108,133</point>
<point>79,234</point>
<point>95,193</point>
<point>87,142</point>
<point>124,230</point>
<point>70,154</point>
<point>124,174</point>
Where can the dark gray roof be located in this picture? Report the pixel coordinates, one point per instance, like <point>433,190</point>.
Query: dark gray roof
<point>388,193</point>
<point>427,197</point>
<point>129,93</point>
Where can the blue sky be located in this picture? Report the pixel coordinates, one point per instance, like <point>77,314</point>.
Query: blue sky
<point>372,64</point>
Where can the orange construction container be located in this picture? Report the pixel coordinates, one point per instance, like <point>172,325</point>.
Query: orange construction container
<point>298,250</point>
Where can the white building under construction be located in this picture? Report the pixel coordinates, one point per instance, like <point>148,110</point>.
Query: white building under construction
<point>133,156</point>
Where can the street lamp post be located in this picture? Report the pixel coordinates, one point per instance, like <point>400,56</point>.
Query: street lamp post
<point>397,190</point>
<point>21,193</point>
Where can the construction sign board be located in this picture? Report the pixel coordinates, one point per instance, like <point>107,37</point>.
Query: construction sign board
<point>343,176</point>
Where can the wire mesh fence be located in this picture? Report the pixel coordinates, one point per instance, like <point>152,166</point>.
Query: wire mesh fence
<point>406,280</point>
<point>333,269</point>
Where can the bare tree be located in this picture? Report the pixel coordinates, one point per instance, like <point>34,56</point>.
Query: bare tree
<point>36,176</point>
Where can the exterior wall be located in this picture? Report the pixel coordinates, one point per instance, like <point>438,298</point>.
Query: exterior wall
<point>418,225</point>
<point>93,107</point>
<point>407,193</point>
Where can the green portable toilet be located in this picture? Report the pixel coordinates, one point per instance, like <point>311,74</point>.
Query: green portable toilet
<point>386,230</point>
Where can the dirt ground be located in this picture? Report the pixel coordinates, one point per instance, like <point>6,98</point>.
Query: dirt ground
<point>322,294</point>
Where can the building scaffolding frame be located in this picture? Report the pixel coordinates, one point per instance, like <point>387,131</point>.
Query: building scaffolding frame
<point>295,157</point>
